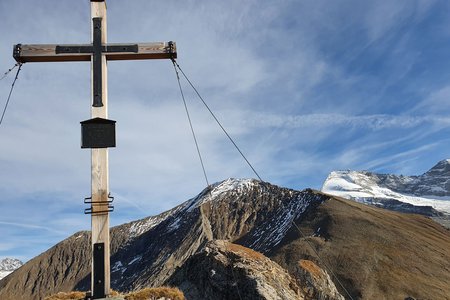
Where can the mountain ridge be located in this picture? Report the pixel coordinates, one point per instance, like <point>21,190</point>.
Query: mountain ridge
<point>282,224</point>
<point>427,194</point>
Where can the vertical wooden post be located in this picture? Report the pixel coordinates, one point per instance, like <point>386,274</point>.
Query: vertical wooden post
<point>97,52</point>
<point>100,172</point>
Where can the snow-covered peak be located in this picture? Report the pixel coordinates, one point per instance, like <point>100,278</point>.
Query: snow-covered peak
<point>232,184</point>
<point>10,264</point>
<point>215,190</point>
<point>430,189</point>
<point>211,193</point>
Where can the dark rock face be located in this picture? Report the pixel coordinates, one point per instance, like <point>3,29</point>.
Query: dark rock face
<point>366,249</point>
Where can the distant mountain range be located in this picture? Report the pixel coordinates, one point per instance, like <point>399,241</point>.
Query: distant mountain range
<point>427,194</point>
<point>8,265</point>
<point>246,239</point>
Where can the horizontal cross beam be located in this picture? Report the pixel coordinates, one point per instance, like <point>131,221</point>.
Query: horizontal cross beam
<point>56,53</point>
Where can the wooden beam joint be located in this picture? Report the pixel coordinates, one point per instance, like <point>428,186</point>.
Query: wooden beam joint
<point>24,53</point>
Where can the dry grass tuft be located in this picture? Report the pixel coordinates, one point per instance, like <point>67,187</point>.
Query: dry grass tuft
<point>168,293</point>
<point>67,296</point>
<point>311,267</point>
<point>244,251</point>
<point>73,296</point>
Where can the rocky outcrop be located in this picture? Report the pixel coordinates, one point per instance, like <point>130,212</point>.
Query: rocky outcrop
<point>226,271</point>
<point>315,282</point>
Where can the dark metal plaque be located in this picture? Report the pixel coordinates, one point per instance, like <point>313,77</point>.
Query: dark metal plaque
<point>98,133</point>
<point>99,270</point>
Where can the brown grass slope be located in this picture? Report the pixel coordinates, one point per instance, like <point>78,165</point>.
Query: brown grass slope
<point>166,293</point>
<point>49,273</point>
<point>375,253</point>
<point>58,269</point>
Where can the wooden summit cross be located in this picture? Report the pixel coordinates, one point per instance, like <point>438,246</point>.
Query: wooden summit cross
<point>99,52</point>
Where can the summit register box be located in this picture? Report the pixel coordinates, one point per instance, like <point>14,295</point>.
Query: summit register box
<point>98,133</point>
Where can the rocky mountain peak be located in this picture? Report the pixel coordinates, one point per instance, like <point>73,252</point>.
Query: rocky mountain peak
<point>214,191</point>
<point>10,264</point>
<point>442,168</point>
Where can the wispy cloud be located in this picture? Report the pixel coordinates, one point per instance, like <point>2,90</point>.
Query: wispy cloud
<point>437,102</point>
<point>372,122</point>
<point>31,226</point>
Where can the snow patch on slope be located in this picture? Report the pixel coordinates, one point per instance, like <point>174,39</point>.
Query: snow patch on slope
<point>271,233</point>
<point>139,227</point>
<point>3,274</point>
<point>142,226</point>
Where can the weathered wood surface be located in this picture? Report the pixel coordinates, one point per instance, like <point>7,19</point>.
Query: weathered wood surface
<point>99,161</point>
<point>47,52</point>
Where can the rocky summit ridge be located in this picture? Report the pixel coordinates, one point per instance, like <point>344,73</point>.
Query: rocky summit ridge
<point>243,236</point>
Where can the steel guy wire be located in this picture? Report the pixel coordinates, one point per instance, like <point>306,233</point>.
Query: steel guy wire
<point>10,92</point>
<point>9,70</point>
<point>217,120</point>
<point>190,123</point>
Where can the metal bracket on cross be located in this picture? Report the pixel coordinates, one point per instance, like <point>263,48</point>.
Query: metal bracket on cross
<point>99,207</point>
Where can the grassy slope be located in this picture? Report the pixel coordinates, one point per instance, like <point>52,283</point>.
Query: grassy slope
<point>375,253</point>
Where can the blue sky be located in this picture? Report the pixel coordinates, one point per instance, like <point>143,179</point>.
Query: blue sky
<point>304,87</point>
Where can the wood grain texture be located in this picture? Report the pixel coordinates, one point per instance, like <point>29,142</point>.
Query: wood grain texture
<point>47,52</point>
<point>99,161</point>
